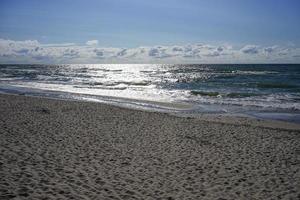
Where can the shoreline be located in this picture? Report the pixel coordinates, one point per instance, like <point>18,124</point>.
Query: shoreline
<point>181,109</point>
<point>52,149</point>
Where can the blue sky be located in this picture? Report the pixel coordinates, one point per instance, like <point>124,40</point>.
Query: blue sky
<point>135,23</point>
<point>130,23</point>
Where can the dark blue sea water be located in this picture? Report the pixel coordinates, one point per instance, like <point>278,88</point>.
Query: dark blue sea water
<point>226,88</point>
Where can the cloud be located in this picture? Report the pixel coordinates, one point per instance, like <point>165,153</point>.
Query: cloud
<point>98,52</point>
<point>92,42</point>
<point>220,48</point>
<point>176,49</point>
<point>153,52</point>
<point>70,53</point>
<point>270,49</point>
<point>121,53</point>
<point>213,54</point>
<point>31,51</point>
<point>15,48</point>
<point>159,52</point>
<point>250,49</point>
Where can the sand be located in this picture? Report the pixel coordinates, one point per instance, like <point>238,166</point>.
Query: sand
<point>55,149</point>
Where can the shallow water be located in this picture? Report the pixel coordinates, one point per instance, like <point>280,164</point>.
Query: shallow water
<point>208,88</point>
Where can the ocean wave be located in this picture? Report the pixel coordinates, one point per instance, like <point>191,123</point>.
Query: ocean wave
<point>202,93</point>
<point>276,85</point>
<point>213,75</point>
<point>129,83</point>
<point>241,72</point>
<point>263,101</point>
<point>104,69</point>
<point>53,78</point>
<point>229,95</point>
<point>102,88</point>
<point>241,95</point>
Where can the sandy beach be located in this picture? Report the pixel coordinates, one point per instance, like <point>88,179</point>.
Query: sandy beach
<point>56,149</point>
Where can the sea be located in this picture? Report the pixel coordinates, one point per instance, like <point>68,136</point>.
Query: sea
<point>269,91</point>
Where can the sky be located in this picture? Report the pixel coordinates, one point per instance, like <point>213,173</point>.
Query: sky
<point>156,31</point>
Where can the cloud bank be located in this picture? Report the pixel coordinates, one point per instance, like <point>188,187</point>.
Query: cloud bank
<point>32,51</point>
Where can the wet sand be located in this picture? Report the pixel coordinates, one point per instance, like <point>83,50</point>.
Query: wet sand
<point>55,149</point>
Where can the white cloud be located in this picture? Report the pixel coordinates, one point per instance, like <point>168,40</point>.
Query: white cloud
<point>31,51</point>
<point>92,42</point>
<point>269,50</point>
<point>250,49</point>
